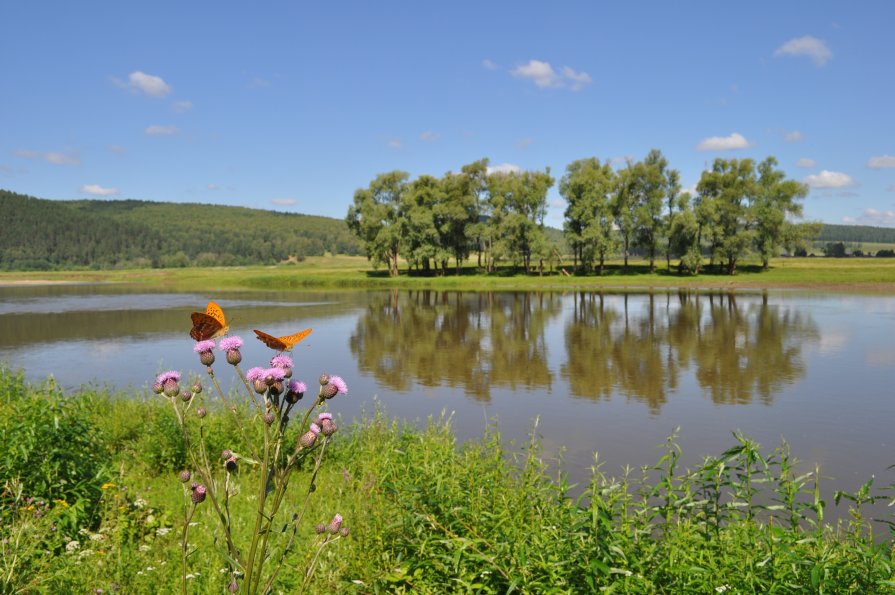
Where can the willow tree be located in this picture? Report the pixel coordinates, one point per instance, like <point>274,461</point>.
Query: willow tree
<point>518,206</point>
<point>376,218</point>
<point>728,191</point>
<point>775,204</point>
<point>587,187</point>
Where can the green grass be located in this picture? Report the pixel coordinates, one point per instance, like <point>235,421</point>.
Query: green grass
<point>426,513</point>
<point>345,272</point>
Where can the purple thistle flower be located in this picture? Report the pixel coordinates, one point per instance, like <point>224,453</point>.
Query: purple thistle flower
<point>276,373</point>
<point>230,343</point>
<point>335,524</point>
<point>255,374</point>
<point>325,415</point>
<point>202,346</point>
<point>169,375</point>
<point>339,383</point>
<point>281,361</point>
<point>297,386</point>
<point>199,494</point>
<point>314,428</point>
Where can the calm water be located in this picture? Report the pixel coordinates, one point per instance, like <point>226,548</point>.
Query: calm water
<point>612,373</point>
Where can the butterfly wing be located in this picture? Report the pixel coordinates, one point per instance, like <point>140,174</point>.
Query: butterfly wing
<point>291,340</point>
<point>270,340</point>
<point>210,324</point>
<point>205,327</point>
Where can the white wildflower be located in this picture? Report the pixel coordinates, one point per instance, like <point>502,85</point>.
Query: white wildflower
<point>140,503</point>
<point>72,546</point>
<point>144,548</point>
<point>162,531</point>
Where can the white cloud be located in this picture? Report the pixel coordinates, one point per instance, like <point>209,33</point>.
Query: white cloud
<point>182,106</point>
<point>524,143</point>
<point>394,143</point>
<point>829,179</point>
<point>540,73</point>
<point>794,136</point>
<point>54,157</point>
<point>557,204</point>
<point>283,202</point>
<point>489,65</point>
<point>212,186</point>
<point>148,84</point>
<point>809,46</point>
<point>258,83</point>
<point>504,168</point>
<point>875,217</point>
<point>543,75</point>
<point>881,162</point>
<point>158,130</point>
<point>118,149</point>
<point>806,163</point>
<point>723,143</point>
<point>429,136</point>
<point>579,80</point>
<point>98,190</point>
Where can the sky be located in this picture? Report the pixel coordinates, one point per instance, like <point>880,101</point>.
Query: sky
<point>292,106</point>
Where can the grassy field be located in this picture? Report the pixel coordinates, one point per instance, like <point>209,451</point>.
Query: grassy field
<point>851,274</point>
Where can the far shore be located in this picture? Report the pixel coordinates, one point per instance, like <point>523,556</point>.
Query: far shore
<point>870,275</point>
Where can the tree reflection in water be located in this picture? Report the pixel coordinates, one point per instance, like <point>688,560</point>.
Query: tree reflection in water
<point>634,345</point>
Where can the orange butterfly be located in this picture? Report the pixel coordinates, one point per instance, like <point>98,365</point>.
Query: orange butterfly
<point>282,343</point>
<point>210,324</point>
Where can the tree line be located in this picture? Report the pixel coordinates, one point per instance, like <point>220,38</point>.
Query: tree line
<point>39,234</point>
<point>740,207</point>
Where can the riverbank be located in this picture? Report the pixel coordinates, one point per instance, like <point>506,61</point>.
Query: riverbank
<point>875,275</point>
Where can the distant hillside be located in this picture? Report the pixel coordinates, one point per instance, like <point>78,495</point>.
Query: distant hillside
<point>857,233</point>
<point>38,234</point>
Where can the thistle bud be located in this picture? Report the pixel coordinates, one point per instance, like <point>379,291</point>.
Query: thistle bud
<point>200,412</point>
<point>226,453</point>
<point>335,524</point>
<point>234,357</point>
<point>185,476</point>
<point>206,357</point>
<point>198,494</point>
<point>230,464</point>
<point>324,379</point>
<point>197,388</point>
<point>320,528</point>
<point>276,388</point>
<point>344,531</point>
<point>172,389</point>
<point>158,388</point>
<point>308,439</point>
<point>185,396</point>
<point>269,418</point>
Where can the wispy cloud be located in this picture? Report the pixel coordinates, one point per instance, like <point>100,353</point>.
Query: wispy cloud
<point>793,137</point>
<point>182,106</point>
<point>212,187</point>
<point>829,179</point>
<point>159,130</point>
<point>283,202</point>
<point>806,163</point>
<point>70,157</point>
<point>429,136</point>
<point>118,149</point>
<point>98,190</point>
<point>504,168</point>
<point>394,143</point>
<point>544,76</point>
<point>489,64</point>
<point>524,143</point>
<point>881,162</point>
<point>723,143</point>
<point>876,217</point>
<point>809,46</point>
<point>148,84</point>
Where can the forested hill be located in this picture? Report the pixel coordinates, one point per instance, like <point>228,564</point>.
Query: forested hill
<point>38,234</point>
<point>856,233</point>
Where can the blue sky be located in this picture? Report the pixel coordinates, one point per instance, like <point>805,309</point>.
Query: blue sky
<point>293,106</point>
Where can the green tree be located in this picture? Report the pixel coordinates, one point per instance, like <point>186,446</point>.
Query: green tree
<point>649,186</point>
<point>624,208</point>
<point>587,187</point>
<point>419,230</point>
<point>518,206</point>
<point>774,202</point>
<point>376,218</point>
<point>459,211</point>
<point>727,192</point>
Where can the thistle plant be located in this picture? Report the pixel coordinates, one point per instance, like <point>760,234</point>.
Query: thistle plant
<point>273,457</point>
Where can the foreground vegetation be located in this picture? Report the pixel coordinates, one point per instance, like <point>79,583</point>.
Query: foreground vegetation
<point>91,500</point>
